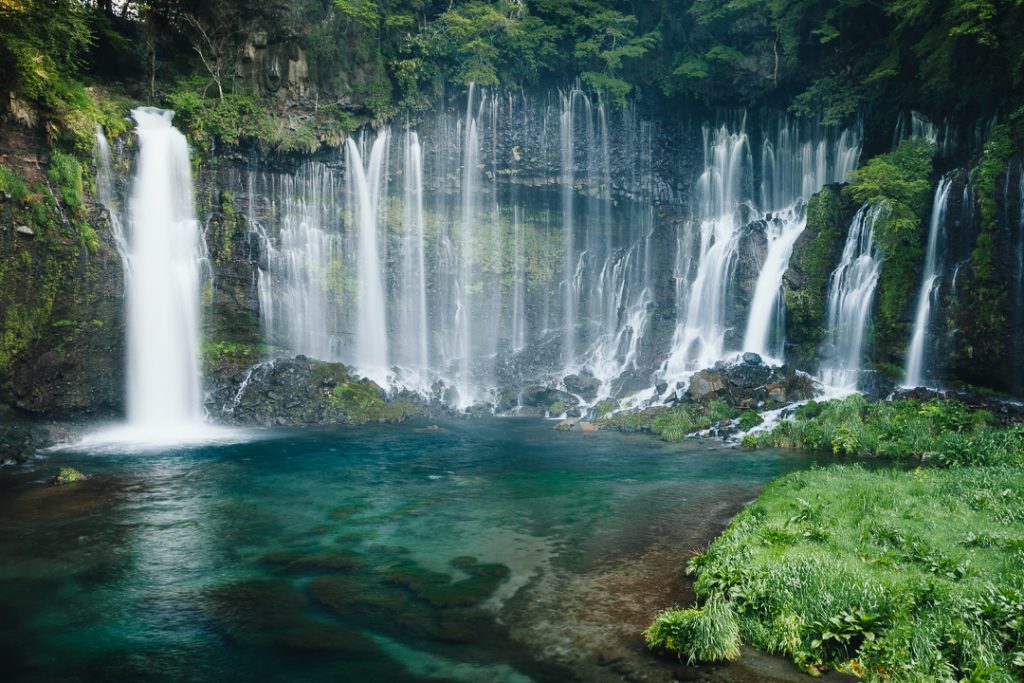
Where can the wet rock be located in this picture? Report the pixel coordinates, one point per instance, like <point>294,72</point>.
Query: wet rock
<point>750,384</point>
<point>707,385</point>
<point>587,427</point>
<point>300,390</point>
<point>566,425</point>
<point>544,397</point>
<point>584,385</point>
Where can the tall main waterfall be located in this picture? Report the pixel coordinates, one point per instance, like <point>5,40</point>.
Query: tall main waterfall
<point>511,243</point>
<point>917,352</point>
<point>164,253</point>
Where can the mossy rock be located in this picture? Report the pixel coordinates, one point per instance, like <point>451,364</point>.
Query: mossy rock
<point>68,475</point>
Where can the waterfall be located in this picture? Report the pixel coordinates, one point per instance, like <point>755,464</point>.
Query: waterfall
<point>518,245</point>
<point>164,255</point>
<point>917,351</point>
<point>106,193</point>
<point>851,293</point>
<point>519,329</point>
<point>412,296</point>
<point>570,274</point>
<point>371,353</point>
<point>767,308</point>
<point>305,259</point>
<point>722,189</point>
<point>463,286</point>
<point>796,160</point>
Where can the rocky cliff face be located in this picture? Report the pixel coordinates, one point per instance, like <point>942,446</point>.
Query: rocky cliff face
<point>61,291</point>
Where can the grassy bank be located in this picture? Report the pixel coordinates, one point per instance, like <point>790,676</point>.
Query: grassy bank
<point>947,432</point>
<point>893,574</point>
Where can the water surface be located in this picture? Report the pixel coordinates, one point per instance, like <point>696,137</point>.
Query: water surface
<point>490,550</point>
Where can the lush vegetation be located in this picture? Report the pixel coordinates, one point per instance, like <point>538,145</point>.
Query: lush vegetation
<point>898,184</point>
<point>676,423</point>
<point>805,304</point>
<point>889,574</point>
<point>375,58</point>
<point>39,261</point>
<point>980,309</point>
<point>944,430</point>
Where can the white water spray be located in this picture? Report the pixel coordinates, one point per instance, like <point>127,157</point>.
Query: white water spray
<point>917,352</point>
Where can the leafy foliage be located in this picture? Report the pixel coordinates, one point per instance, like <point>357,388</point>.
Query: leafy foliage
<point>898,182</point>
<point>944,429</point>
<point>845,568</point>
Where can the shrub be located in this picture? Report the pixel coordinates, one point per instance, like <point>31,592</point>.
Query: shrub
<point>707,634</point>
<point>66,173</point>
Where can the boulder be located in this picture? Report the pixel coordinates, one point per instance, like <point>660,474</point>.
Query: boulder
<point>583,385</point>
<point>750,384</point>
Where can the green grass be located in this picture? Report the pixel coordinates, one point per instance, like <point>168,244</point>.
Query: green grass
<point>891,574</point>
<point>946,431</point>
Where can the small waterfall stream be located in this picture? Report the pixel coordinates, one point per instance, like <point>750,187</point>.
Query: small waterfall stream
<point>371,353</point>
<point>917,351</point>
<point>851,294</point>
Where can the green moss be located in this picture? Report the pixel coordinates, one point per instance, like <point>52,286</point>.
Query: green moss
<point>805,306</point>
<point>557,408</point>
<point>68,475</point>
<point>898,183</point>
<point>66,174</point>
<point>238,117</point>
<point>35,273</point>
<point>12,184</point>
<point>365,402</point>
<point>671,424</point>
<point>980,308</point>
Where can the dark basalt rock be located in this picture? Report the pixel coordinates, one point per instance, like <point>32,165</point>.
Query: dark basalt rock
<point>300,390</point>
<point>750,384</point>
<point>584,385</point>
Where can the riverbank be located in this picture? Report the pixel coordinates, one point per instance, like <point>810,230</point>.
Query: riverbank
<point>896,573</point>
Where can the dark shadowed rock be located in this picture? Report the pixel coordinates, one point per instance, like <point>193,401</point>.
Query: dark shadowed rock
<point>750,385</point>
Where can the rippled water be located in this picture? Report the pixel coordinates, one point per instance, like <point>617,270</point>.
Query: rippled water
<point>492,550</point>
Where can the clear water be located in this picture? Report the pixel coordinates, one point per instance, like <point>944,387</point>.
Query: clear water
<point>321,554</point>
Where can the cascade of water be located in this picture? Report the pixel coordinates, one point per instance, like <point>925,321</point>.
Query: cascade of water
<point>519,283</point>
<point>566,127</point>
<point>305,261</point>
<point>851,293</point>
<point>917,351</point>
<point>413,328</point>
<point>463,287</point>
<point>371,352</point>
<point>164,253</point>
<point>107,196</point>
<point>767,308</point>
<point>721,190</point>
